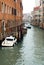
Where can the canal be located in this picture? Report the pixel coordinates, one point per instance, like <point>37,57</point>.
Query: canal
<point>30,51</point>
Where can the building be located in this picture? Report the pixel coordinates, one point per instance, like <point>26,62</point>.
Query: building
<point>11,12</point>
<point>32,17</point>
<point>36,16</point>
<point>42,13</point>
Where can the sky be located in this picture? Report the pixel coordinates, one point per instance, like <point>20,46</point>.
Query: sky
<point>28,5</point>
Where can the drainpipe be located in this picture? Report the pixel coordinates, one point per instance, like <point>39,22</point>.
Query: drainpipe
<point>15,19</point>
<point>3,23</point>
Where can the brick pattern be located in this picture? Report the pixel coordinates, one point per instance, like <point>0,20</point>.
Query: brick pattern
<point>10,13</point>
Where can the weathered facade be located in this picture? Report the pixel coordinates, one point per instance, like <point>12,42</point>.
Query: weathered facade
<point>42,13</point>
<point>32,17</point>
<point>11,12</point>
<point>36,16</point>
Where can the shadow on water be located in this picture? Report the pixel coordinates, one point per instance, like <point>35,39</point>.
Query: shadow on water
<point>10,55</point>
<point>29,51</point>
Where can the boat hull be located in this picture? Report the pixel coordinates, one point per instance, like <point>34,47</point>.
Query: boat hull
<point>5,44</point>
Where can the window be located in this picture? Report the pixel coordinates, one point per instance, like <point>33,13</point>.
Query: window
<point>36,20</point>
<point>35,15</point>
<point>9,39</point>
<point>43,8</point>
<point>5,8</point>
<point>2,7</point>
<point>39,20</point>
<point>14,11</point>
<point>14,0</point>
<point>20,4</point>
<point>43,1</point>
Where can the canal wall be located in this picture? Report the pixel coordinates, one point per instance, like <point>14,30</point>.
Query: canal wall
<point>38,24</point>
<point>18,32</point>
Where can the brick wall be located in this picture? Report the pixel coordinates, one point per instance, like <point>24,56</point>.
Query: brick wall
<point>10,10</point>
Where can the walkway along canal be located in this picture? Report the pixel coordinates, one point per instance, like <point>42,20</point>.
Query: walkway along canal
<point>30,51</point>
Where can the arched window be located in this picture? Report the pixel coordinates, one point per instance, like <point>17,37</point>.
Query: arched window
<point>3,7</point>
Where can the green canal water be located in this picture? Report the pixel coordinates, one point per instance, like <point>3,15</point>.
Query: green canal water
<point>30,51</point>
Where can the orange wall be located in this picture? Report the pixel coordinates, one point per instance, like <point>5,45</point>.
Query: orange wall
<point>11,3</point>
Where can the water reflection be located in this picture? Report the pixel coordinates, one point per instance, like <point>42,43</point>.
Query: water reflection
<point>30,51</point>
<point>9,55</point>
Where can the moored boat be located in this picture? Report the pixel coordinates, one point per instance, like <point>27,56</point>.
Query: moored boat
<point>9,41</point>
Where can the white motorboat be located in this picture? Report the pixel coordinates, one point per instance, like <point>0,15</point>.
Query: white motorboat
<point>28,26</point>
<point>9,41</point>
